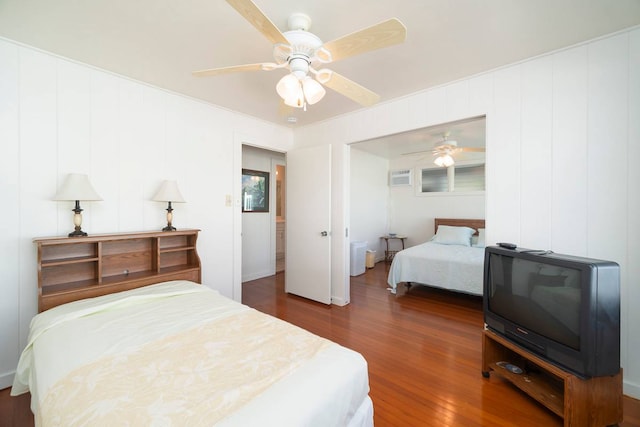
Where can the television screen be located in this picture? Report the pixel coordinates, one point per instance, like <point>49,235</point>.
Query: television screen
<point>542,298</point>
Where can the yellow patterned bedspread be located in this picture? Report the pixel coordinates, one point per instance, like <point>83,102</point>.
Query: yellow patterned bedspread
<point>197,377</point>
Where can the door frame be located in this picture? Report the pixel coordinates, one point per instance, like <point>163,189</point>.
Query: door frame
<point>340,187</point>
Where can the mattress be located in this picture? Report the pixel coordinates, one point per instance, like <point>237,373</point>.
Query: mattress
<point>453,267</point>
<point>179,353</point>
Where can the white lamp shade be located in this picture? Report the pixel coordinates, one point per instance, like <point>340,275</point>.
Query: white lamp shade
<point>288,86</point>
<point>76,186</point>
<point>444,160</point>
<point>296,100</point>
<point>313,91</point>
<point>169,192</point>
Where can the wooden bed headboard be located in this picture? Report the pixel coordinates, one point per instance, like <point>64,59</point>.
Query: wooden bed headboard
<point>73,268</point>
<point>458,222</point>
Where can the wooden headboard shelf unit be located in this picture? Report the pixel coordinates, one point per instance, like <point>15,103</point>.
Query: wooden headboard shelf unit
<point>73,268</point>
<point>459,222</point>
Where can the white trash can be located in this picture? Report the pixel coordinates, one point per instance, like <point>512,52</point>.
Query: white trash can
<point>370,258</point>
<point>358,251</point>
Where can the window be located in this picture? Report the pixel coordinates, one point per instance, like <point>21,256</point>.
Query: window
<point>434,180</point>
<point>469,178</point>
<point>458,178</point>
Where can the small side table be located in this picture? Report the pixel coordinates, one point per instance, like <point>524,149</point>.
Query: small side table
<point>389,254</point>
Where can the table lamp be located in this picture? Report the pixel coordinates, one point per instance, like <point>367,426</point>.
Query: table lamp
<point>169,192</point>
<point>77,187</point>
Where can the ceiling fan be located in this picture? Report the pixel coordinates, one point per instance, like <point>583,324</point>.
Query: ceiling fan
<point>445,150</point>
<point>302,53</point>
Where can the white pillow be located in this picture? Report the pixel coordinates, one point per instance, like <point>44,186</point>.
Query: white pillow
<point>480,243</point>
<point>448,235</point>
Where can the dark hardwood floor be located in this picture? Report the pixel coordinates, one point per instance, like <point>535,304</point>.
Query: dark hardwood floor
<point>423,351</point>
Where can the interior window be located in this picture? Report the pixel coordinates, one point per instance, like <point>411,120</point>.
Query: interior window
<point>434,180</point>
<point>469,178</point>
<point>456,178</point>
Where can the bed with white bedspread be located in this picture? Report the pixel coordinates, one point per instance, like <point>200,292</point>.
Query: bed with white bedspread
<point>178,353</point>
<point>452,260</point>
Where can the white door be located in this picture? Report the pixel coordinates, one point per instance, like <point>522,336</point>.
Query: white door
<point>308,226</point>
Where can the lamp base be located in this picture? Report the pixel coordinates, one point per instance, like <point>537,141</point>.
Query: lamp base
<point>77,221</point>
<point>169,227</point>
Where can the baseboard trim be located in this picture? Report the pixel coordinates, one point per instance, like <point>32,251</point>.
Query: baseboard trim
<point>631,389</point>
<point>6,379</point>
<point>339,301</point>
<point>258,275</point>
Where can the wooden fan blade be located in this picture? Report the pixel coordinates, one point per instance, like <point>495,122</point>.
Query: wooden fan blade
<point>227,70</point>
<point>259,20</point>
<point>473,149</point>
<point>416,152</point>
<point>351,90</point>
<point>381,35</point>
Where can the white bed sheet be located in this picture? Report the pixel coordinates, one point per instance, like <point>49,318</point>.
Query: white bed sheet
<point>329,389</point>
<point>454,267</point>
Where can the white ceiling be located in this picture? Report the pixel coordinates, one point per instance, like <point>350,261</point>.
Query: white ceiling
<point>162,41</point>
<point>419,144</point>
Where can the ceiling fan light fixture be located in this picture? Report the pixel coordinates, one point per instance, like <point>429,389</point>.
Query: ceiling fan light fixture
<point>295,101</point>
<point>313,91</point>
<point>287,86</point>
<point>444,161</point>
<point>290,90</point>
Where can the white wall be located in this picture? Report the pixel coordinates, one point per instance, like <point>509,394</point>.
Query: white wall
<point>413,214</point>
<point>258,228</point>
<point>57,117</point>
<point>562,133</point>
<point>369,199</point>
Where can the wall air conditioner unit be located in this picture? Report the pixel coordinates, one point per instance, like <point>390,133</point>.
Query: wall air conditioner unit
<point>399,178</point>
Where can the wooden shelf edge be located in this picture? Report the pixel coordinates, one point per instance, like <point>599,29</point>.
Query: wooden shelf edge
<point>113,236</point>
<point>67,261</point>
<point>176,249</point>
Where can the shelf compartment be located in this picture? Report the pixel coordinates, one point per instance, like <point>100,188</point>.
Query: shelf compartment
<point>177,258</point>
<point>58,253</point>
<point>121,257</point>
<point>177,242</point>
<point>544,389</point>
<point>67,287</point>
<point>84,271</point>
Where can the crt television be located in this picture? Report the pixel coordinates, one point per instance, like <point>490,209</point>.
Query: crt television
<point>564,308</point>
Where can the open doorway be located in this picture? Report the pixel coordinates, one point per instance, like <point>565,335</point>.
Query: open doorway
<point>397,184</point>
<point>262,212</point>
